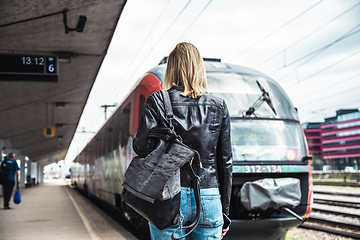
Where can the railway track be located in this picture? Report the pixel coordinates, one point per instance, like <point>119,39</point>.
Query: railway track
<point>336,212</point>
<point>337,193</point>
<point>343,199</point>
<point>333,209</point>
<point>333,226</point>
<point>324,228</point>
<point>334,202</point>
<point>344,184</point>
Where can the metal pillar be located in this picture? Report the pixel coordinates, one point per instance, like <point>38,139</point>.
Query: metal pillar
<point>22,171</point>
<point>34,172</point>
<point>40,174</point>
<point>1,147</point>
<point>28,173</point>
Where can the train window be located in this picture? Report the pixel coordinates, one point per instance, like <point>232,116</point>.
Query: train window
<point>241,92</point>
<point>108,135</point>
<point>116,128</point>
<point>141,107</point>
<point>103,140</point>
<point>125,125</point>
<point>267,140</point>
<point>99,144</point>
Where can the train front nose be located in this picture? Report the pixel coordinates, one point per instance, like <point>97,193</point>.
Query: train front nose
<point>266,206</point>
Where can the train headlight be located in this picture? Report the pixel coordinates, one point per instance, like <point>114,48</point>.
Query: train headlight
<point>290,155</point>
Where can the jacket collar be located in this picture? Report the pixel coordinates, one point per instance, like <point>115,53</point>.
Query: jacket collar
<point>176,88</point>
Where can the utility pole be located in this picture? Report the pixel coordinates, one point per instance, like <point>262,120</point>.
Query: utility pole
<point>83,131</point>
<point>106,107</point>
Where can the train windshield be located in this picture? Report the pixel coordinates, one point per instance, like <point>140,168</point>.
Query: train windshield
<point>241,91</point>
<point>265,136</point>
<point>266,140</point>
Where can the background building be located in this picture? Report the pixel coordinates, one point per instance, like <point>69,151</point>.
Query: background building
<point>335,143</point>
<point>313,136</point>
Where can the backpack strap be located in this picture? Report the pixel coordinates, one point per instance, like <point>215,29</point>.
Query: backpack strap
<point>168,109</point>
<point>167,102</point>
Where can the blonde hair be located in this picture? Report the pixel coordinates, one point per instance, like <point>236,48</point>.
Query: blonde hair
<point>185,68</point>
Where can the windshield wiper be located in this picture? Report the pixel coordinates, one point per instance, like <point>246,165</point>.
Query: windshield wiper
<point>265,97</point>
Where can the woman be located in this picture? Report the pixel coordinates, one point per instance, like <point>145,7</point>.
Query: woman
<point>203,122</point>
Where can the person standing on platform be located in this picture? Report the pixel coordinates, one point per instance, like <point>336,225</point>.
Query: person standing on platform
<point>203,122</point>
<point>11,170</point>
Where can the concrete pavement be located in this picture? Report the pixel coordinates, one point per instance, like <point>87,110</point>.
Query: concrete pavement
<point>54,211</point>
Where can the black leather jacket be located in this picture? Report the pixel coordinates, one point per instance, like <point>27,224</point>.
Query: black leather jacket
<point>204,125</point>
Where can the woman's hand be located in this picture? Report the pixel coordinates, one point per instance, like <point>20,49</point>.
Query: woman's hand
<point>224,232</point>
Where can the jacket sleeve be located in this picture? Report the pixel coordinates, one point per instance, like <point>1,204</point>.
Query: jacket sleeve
<point>224,161</point>
<point>142,144</point>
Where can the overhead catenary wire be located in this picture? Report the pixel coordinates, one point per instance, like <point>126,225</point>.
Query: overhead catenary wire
<point>331,65</point>
<point>326,68</point>
<point>276,30</point>
<point>330,86</point>
<point>332,95</point>
<point>315,53</point>
<point>90,126</point>
<point>333,107</point>
<point>187,29</point>
<point>94,119</point>
<point>141,46</point>
<point>164,33</point>
<point>95,122</point>
<point>308,35</point>
<point>140,50</point>
<point>201,12</point>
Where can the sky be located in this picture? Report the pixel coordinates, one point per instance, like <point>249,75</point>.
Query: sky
<point>310,47</point>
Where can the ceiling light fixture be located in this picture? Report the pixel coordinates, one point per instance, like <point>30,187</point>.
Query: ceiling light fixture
<point>64,57</point>
<point>60,104</point>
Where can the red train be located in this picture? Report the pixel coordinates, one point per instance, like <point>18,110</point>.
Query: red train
<point>272,182</point>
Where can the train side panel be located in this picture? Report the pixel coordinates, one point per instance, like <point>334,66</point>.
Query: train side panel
<point>99,169</point>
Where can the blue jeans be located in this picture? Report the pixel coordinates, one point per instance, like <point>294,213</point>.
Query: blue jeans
<point>211,219</point>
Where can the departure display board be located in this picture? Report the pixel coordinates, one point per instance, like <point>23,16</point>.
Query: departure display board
<point>28,67</point>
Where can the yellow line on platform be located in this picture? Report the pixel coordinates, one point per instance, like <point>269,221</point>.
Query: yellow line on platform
<point>89,227</point>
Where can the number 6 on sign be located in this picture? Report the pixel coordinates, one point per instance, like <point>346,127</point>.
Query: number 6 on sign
<point>51,67</point>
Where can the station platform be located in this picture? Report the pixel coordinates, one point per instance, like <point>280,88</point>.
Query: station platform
<point>52,210</point>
